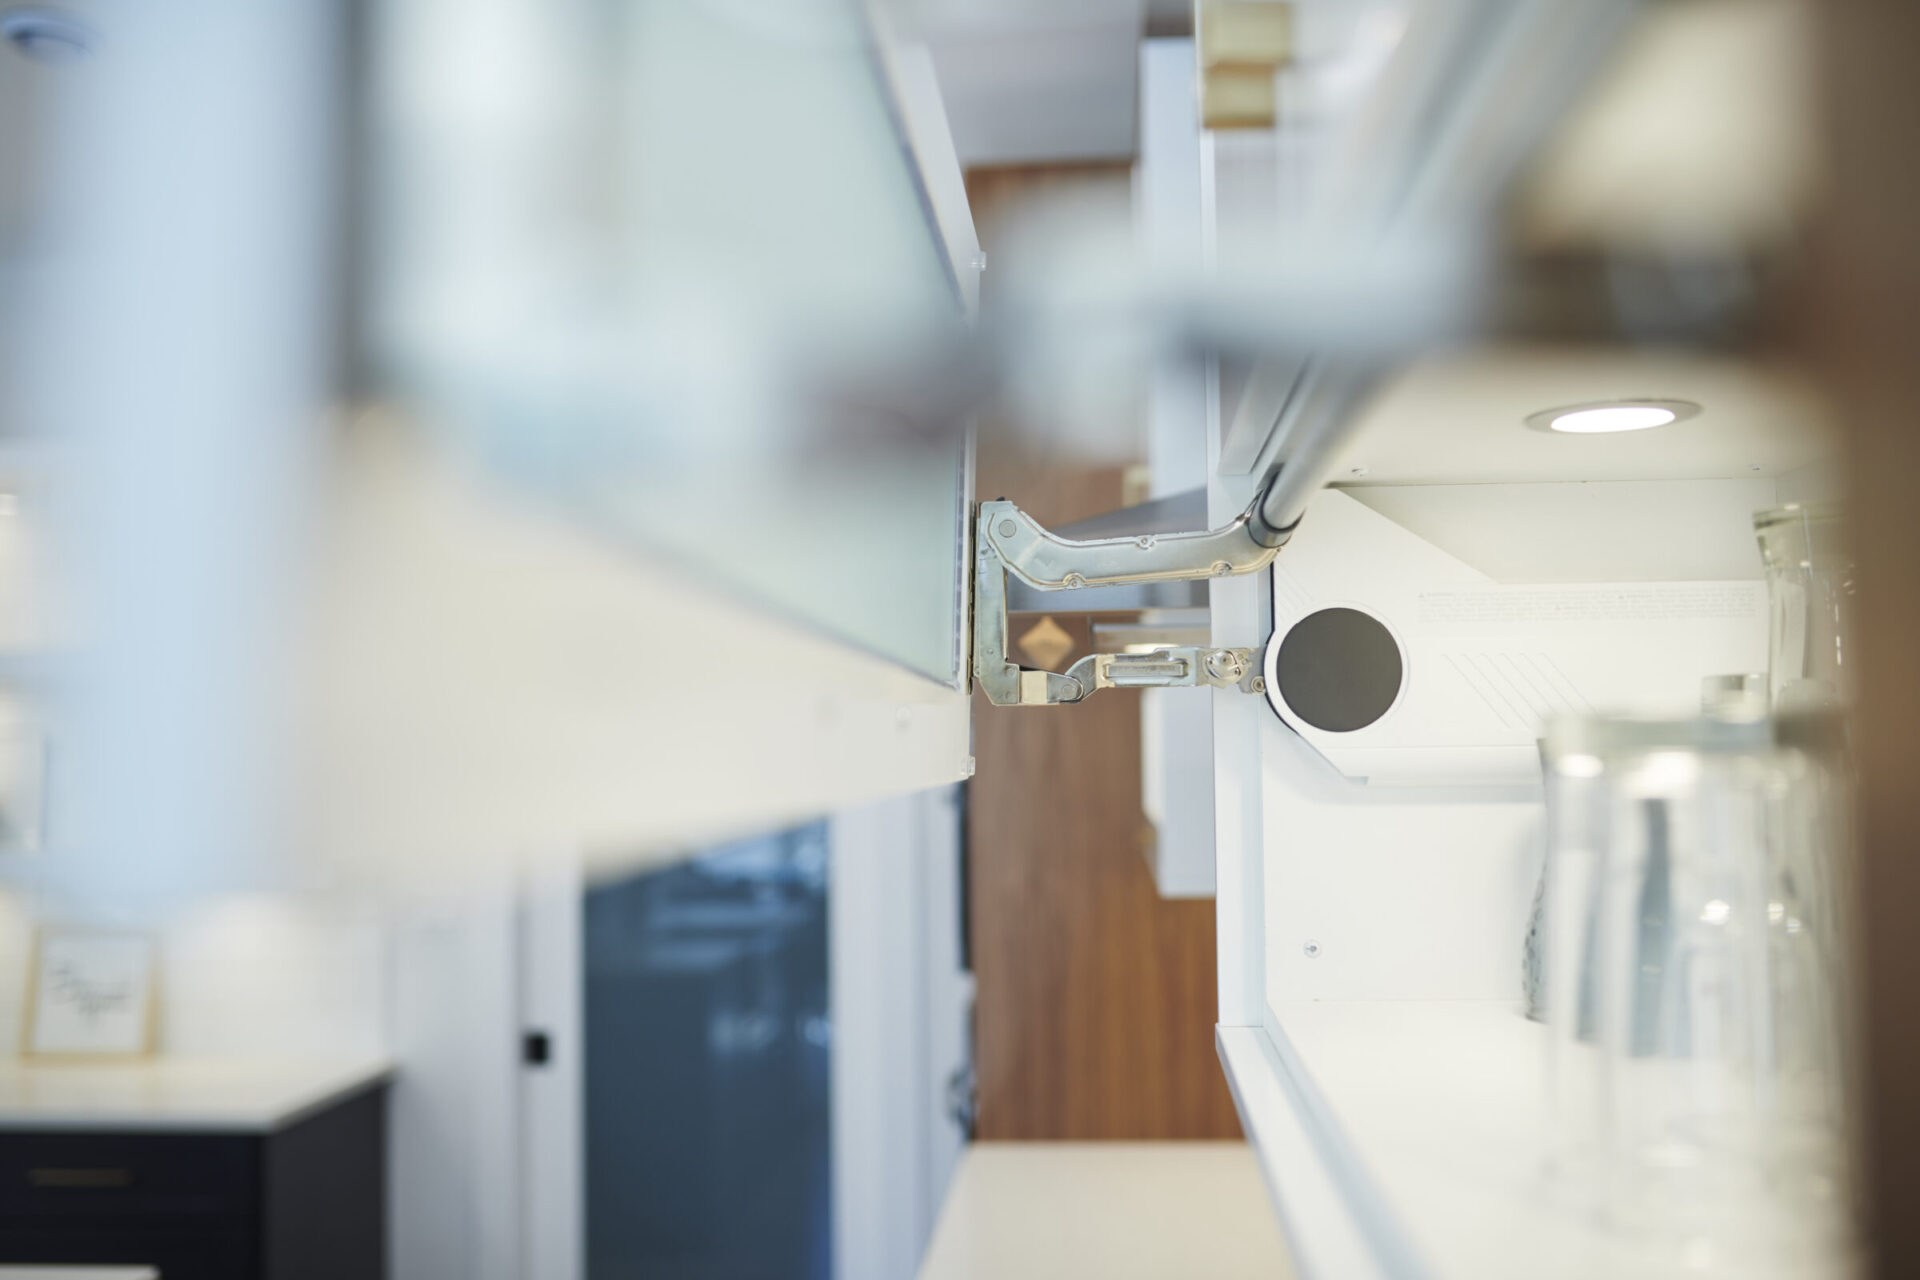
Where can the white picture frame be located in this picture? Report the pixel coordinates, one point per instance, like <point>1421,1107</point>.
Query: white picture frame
<point>91,994</point>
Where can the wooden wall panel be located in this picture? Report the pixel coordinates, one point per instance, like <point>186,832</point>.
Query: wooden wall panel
<point>1096,998</point>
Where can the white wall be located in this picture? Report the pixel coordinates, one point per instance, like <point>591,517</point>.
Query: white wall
<point>453,1151</point>
<point>254,974</point>
<point>900,1007</point>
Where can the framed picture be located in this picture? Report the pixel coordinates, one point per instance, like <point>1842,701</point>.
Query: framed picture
<point>23,754</point>
<point>91,994</point>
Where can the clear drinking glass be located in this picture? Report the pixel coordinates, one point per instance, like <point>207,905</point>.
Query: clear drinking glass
<point>1693,984</point>
<point>1810,591</point>
<point>1563,996</point>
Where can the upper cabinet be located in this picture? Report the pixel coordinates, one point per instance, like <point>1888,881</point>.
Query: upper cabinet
<point>1549,404</point>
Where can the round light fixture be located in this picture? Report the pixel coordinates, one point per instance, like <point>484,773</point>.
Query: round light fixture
<point>1607,417</point>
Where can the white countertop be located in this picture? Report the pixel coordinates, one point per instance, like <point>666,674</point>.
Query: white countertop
<point>235,1095</point>
<point>1107,1211</point>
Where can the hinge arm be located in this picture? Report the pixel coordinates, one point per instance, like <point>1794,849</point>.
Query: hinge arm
<point>1008,540</point>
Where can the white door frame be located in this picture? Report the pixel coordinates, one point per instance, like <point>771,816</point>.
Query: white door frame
<point>900,1005</point>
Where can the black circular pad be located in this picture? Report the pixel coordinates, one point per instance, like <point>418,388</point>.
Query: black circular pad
<point>1339,669</point>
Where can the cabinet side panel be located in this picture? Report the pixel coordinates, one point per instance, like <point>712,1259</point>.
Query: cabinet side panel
<point>324,1194</point>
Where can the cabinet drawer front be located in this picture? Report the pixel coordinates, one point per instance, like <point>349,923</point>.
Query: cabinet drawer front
<point>91,1174</point>
<point>218,1252</point>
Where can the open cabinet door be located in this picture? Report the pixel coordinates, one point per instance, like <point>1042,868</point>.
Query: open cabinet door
<point>546,487</point>
<point>640,548</point>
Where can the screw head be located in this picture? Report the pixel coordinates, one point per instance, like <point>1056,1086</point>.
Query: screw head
<point>1074,580</point>
<point>1221,568</point>
<point>1008,528</point>
<point>1145,542</point>
<point>1311,950</point>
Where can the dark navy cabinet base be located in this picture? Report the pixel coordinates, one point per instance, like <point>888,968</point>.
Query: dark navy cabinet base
<point>300,1203</point>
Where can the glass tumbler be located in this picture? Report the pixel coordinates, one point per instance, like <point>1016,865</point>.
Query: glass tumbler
<point>1693,985</point>
<point>1810,592</point>
<point>1577,834</point>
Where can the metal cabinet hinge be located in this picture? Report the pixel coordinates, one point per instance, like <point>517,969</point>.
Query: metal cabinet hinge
<point>1009,541</point>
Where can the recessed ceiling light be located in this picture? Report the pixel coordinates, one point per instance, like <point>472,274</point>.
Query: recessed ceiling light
<point>1607,417</point>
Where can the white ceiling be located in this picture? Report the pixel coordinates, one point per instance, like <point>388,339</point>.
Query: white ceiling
<point>1043,81</point>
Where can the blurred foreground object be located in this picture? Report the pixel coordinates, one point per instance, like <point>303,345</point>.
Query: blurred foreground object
<point>1862,325</point>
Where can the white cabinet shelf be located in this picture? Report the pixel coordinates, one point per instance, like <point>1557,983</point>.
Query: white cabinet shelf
<point>1427,1117</point>
<point>1412,1138</point>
